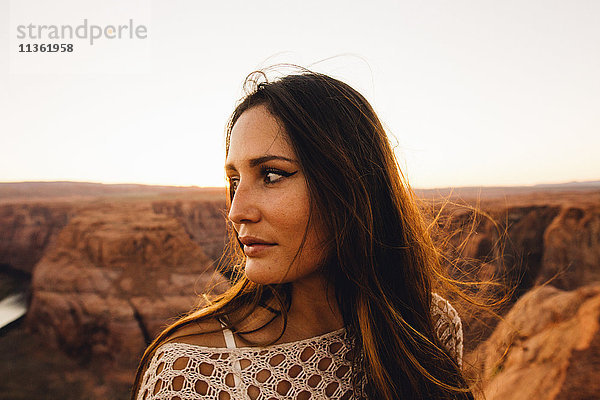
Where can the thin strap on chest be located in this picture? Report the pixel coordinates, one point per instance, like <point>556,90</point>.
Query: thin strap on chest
<point>229,340</point>
<point>237,368</point>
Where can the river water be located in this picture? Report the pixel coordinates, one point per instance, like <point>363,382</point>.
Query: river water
<point>12,308</point>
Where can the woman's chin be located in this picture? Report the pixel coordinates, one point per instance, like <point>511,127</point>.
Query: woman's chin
<point>262,274</point>
<point>255,273</point>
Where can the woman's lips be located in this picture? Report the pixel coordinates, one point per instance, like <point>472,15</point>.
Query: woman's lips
<point>257,249</point>
<point>254,247</point>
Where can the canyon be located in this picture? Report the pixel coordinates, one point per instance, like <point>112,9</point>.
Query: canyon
<point>106,267</point>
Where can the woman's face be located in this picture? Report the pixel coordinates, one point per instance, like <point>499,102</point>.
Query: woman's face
<point>270,208</point>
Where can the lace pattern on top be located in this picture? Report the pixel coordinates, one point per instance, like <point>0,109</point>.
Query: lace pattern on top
<point>314,368</point>
<point>448,327</point>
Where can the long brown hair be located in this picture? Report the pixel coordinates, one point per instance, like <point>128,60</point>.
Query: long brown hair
<point>384,263</point>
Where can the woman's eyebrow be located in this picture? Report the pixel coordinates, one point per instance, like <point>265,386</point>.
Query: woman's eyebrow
<point>260,160</point>
<point>253,162</point>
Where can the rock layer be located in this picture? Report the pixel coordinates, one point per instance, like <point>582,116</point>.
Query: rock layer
<point>572,243</point>
<point>538,244</point>
<point>547,347</point>
<point>522,246</point>
<point>204,221</point>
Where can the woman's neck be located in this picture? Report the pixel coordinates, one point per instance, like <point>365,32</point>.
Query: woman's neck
<point>313,311</point>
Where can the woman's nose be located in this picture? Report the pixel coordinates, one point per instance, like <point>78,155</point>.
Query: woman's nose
<point>244,206</point>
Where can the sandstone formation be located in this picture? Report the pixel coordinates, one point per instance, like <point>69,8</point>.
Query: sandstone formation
<point>547,348</point>
<point>114,277</point>
<point>204,221</point>
<point>518,243</point>
<point>26,229</point>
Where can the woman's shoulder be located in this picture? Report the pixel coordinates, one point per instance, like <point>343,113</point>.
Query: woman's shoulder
<point>209,331</point>
<point>182,365</point>
<point>205,333</point>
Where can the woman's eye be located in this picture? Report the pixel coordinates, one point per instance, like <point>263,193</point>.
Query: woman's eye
<point>272,177</point>
<point>233,184</point>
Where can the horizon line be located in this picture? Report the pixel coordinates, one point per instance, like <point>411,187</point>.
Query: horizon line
<point>564,183</point>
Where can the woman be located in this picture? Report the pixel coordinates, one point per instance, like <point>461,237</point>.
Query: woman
<point>332,288</point>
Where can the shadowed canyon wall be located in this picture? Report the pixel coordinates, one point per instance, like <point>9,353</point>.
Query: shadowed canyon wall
<point>27,229</point>
<point>538,243</point>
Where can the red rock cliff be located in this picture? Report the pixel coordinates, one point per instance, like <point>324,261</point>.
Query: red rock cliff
<point>547,348</point>
<point>204,221</point>
<point>112,280</point>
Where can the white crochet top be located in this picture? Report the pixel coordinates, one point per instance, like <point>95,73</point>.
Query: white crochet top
<point>314,368</point>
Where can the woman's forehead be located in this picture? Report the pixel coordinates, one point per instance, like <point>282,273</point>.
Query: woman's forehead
<point>257,133</point>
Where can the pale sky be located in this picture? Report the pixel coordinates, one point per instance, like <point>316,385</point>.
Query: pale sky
<point>474,92</point>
